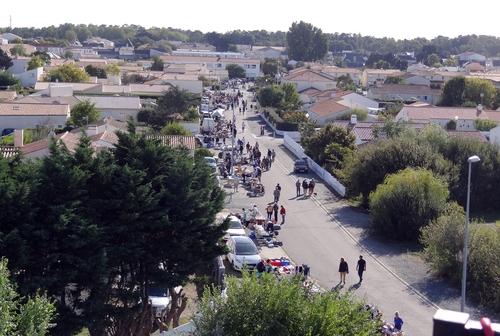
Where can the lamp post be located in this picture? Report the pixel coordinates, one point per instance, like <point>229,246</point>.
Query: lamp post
<point>470,160</point>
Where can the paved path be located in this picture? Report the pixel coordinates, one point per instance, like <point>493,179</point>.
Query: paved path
<point>312,236</point>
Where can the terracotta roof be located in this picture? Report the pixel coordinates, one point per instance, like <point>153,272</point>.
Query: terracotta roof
<point>206,59</point>
<point>332,93</point>
<point>36,109</point>
<point>77,87</point>
<point>327,107</point>
<point>469,134</point>
<point>310,91</point>
<point>389,72</point>
<point>176,141</point>
<point>70,140</point>
<point>308,76</point>
<point>336,70</point>
<point>106,136</point>
<point>68,100</point>
<point>405,89</point>
<point>432,112</point>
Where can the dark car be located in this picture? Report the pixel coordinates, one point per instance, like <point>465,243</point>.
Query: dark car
<point>7,131</point>
<point>301,166</point>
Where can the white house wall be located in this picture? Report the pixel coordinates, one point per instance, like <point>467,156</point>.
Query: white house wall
<point>23,122</point>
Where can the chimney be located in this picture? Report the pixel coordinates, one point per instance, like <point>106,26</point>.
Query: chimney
<point>354,119</point>
<point>18,138</point>
<point>479,109</point>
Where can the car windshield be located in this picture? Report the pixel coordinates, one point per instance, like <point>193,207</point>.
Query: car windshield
<point>244,248</point>
<point>235,224</point>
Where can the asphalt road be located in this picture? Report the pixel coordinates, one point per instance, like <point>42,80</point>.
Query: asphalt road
<point>312,235</point>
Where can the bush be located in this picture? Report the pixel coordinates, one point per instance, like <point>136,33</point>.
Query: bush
<point>406,202</point>
<point>200,153</point>
<point>360,114</point>
<point>265,307</point>
<point>175,129</point>
<point>443,246</point>
<point>484,124</point>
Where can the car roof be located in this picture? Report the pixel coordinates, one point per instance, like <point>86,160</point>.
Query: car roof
<point>242,239</point>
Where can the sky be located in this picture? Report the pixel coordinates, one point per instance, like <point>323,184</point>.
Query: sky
<point>391,18</point>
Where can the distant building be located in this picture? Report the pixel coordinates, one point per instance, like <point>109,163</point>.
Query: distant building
<point>21,116</point>
<point>470,56</point>
<point>404,93</point>
<point>378,76</point>
<point>11,37</point>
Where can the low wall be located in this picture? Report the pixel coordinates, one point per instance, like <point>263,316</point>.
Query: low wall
<point>298,151</point>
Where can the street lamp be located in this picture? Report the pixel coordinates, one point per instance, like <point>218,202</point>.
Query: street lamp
<point>471,160</point>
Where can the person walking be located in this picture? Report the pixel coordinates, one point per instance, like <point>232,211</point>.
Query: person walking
<point>276,194</point>
<point>398,322</point>
<point>275,208</point>
<point>343,270</point>
<point>244,217</point>
<point>361,267</point>
<point>312,184</point>
<point>282,213</point>
<point>297,187</point>
<point>278,187</point>
<point>305,186</point>
<point>269,211</point>
<point>243,126</point>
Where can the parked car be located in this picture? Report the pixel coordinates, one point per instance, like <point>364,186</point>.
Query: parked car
<point>235,227</point>
<point>211,162</point>
<point>301,166</point>
<point>242,252</point>
<point>7,131</point>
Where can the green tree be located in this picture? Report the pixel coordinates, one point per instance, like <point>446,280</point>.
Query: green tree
<point>18,50</point>
<point>305,42</point>
<point>291,98</point>
<point>67,73</point>
<point>475,87</point>
<point>5,60</point>
<point>112,69</point>
<point>270,96</point>
<point>36,62</point>
<point>235,71</point>
<point>265,306</point>
<point>20,316</point>
<point>433,60</point>
<point>394,80</point>
<point>270,67</point>
<point>70,36</point>
<point>174,103</point>
<point>453,92</point>
<point>157,64</point>
<point>443,245</point>
<point>406,202</point>
<point>365,170</point>
<point>95,71</point>
<point>84,113</point>
<point>174,128</point>
<point>330,145</point>
<point>6,79</point>
<point>200,153</point>
<point>43,55</point>
<point>346,83</point>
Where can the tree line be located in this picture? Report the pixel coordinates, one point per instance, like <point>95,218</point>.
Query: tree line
<point>337,42</point>
<point>98,232</point>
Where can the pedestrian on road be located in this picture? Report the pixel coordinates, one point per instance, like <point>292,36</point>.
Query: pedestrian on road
<point>278,187</point>
<point>248,147</point>
<point>398,322</point>
<point>282,213</point>
<point>269,211</point>
<point>297,186</point>
<point>273,155</point>
<point>361,267</point>
<point>243,126</point>
<point>261,130</point>
<point>343,270</point>
<point>305,186</point>
<point>244,217</point>
<point>276,208</point>
<point>276,194</point>
<point>312,184</point>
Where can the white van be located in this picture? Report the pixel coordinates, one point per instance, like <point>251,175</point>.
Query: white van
<point>207,125</point>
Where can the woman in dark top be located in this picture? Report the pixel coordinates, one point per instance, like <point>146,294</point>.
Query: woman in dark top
<point>343,270</point>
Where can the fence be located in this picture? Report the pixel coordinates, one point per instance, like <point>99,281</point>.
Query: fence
<point>298,151</point>
<point>293,134</point>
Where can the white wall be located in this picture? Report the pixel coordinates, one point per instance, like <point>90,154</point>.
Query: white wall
<point>495,135</point>
<point>19,65</point>
<point>29,78</point>
<point>23,122</point>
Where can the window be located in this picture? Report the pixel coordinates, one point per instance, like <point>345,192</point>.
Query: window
<point>254,66</point>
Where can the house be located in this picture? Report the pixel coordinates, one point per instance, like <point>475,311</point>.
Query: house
<point>11,37</point>
<point>251,66</point>
<point>306,78</point>
<point>474,67</point>
<point>98,42</point>
<point>413,79</point>
<point>29,115</point>
<point>116,107</point>
<point>68,89</point>
<point>326,110</point>
<point>405,93</point>
<point>187,82</point>
<point>371,77</point>
<point>464,117</point>
<point>263,52</point>
<point>336,72</point>
<point>470,56</point>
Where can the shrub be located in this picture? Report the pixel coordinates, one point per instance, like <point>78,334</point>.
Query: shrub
<point>264,306</point>
<point>443,246</point>
<point>484,124</point>
<point>174,129</point>
<point>202,152</point>
<point>360,114</point>
<point>406,202</point>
